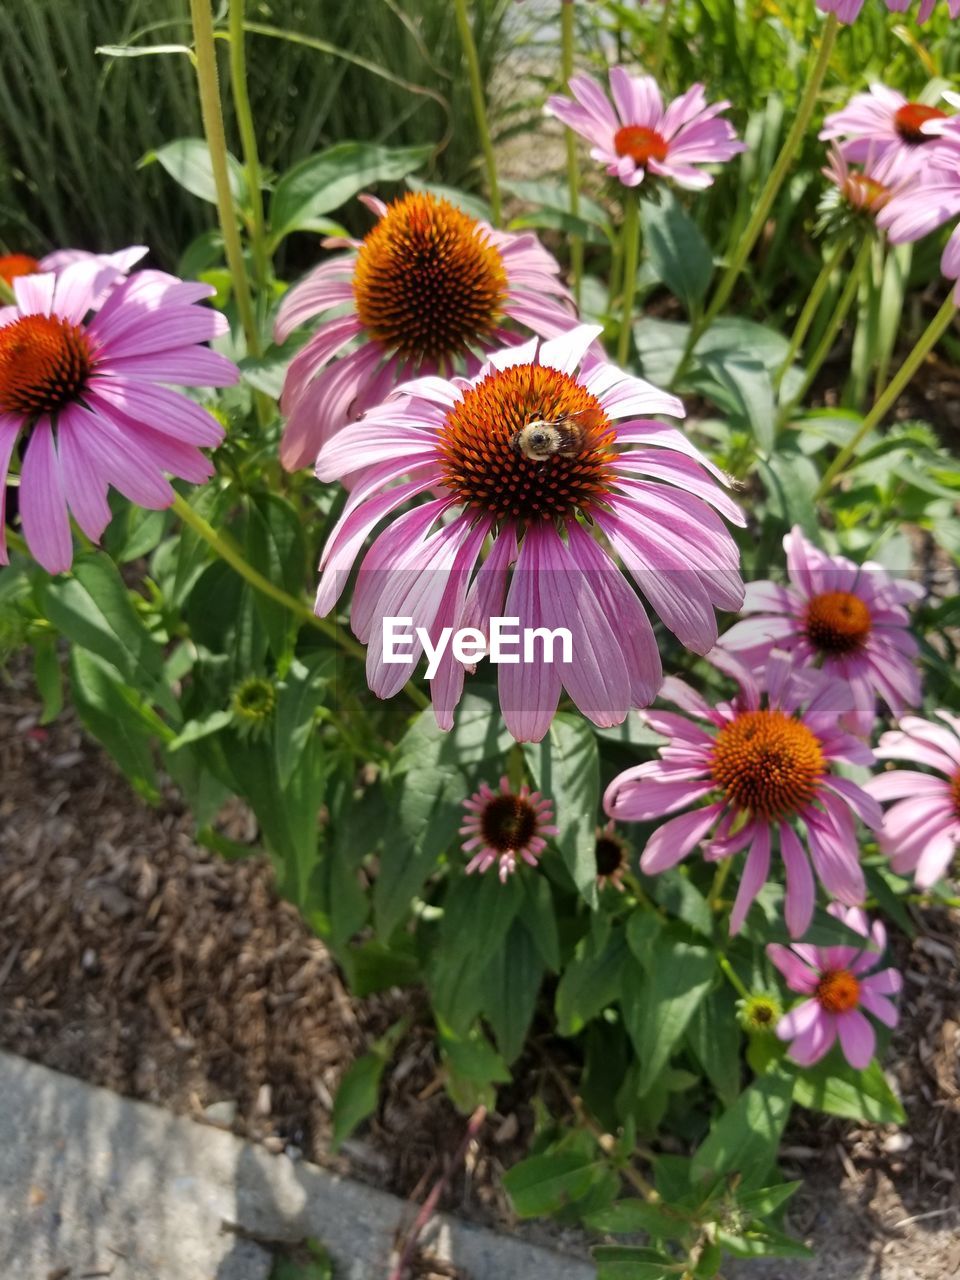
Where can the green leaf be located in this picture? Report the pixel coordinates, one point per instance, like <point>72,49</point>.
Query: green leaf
<point>626,1217</point>
<point>328,179</point>
<point>274,545</point>
<point>590,982</point>
<point>511,984</point>
<point>48,675</point>
<point>676,248</point>
<point>742,386</point>
<point>837,1088</point>
<point>555,195</point>
<point>545,1184</point>
<point>116,715</point>
<point>658,1007</point>
<point>187,160</point>
<point>764,1243</point>
<point>745,1138</point>
<point>470,204</point>
<point>306,686</point>
<point>473,1068</point>
<point>194,730</point>
<point>566,767</point>
<point>621,1262</point>
<point>714,1037</point>
<point>675,892</point>
<point>92,608</point>
<point>790,480</point>
<point>538,913</point>
<point>356,1097</point>
<point>767,1200</point>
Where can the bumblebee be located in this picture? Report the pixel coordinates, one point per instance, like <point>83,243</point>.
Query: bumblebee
<point>543,439</point>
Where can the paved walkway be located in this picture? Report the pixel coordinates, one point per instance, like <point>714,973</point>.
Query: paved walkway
<point>92,1184</point>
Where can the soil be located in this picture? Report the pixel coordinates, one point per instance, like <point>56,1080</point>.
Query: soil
<point>134,959</point>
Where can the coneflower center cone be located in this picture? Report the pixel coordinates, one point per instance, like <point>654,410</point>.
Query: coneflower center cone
<point>767,762</point>
<point>508,823</point>
<point>640,143</point>
<point>13,265</point>
<point>428,282</point>
<point>837,622</point>
<point>910,118</point>
<point>482,445</point>
<point>838,991</point>
<point>44,363</point>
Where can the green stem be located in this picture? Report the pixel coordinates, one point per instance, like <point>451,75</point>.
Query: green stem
<point>631,260</point>
<point>479,105</point>
<point>771,188</point>
<point>211,111</point>
<point>825,345</point>
<point>811,306</point>
<point>715,895</point>
<point>248,141</point>
<point>573,167</point>
<point>663,30</point>
<point>925,344</point>
<point>731,975</point>
<point>228,551</point>
<point>516,767</point>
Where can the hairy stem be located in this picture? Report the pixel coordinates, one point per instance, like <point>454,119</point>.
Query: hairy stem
<point>631,260</point>
<point>479,105</point>
<point>573,167</point>
<point>811,306</point>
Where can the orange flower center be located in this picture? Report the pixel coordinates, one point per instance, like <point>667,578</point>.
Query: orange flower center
<point>640,143</point>
<point>44,363</point>
<point>837,622</point>
<point>838,991</point>
<point>955,792</point>
<point>528,442</point>
<point>17,264</point>
<point>508,823</point>
<point>911,116</point>
<point>428,282</point>
<point>767,762</point>
<point>865,193</point>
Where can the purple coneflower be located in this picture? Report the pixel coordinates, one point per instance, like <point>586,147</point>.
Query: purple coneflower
<point>612,857</point>
<point>429,290</point>
<point>83,390</point>
<point>502,826</point>
<point>882,126</point>
<point>920,832</point>
<point>849,10</point>
<point>562,469</point>
<point>765,765</point>
<point>848,618</point>
<point>637,135</point>
<point>838,985</point>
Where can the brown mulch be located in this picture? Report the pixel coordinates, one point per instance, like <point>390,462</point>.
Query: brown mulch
<point>134,959</point>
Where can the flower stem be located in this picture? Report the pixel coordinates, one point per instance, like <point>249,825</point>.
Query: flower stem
<point>248,140</point>
<point>810,307</point>
<point>731,975</point>
<point>211,111</point>
<point>228,551</point>
<point>714,898</point>
<point>663,30</point>
<point>573,168</point>
<point>631,259</point>
<point>825,345</point>
<point>479,105</point>
<point>767,196</point>
<point>925,344</point>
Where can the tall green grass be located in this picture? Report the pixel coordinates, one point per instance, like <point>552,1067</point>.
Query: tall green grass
<point>73,124</point>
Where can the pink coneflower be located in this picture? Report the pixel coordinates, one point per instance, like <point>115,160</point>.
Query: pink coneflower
<point>863,190</point>
<point>928,203</point>
<point>763,768</point>
<point>849,10</point>
<point>640,136</point>
<point>541,458</point>
<point>504,825</point>
<point>848,618</point>
<point>839,985</point>
<point>882,126</point>
<point>920,832</point>
<point>429,290</point>
<point>84,391</point>
<point>115,267</point>
<point>612,857</point>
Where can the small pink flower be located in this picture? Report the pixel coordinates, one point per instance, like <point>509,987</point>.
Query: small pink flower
<point>430,290</point>
<point>637,135</point>
<point>839,985</point>
<point>504,825</point>
<point>884,127</point>
<point>849,10</point>
<point>613,858</point>
<point>848,618</point>
<point>762,769</point>
<point>865,189</point>
<point>85,385</point>
<point>920,832</point>
<point>544,475</point>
